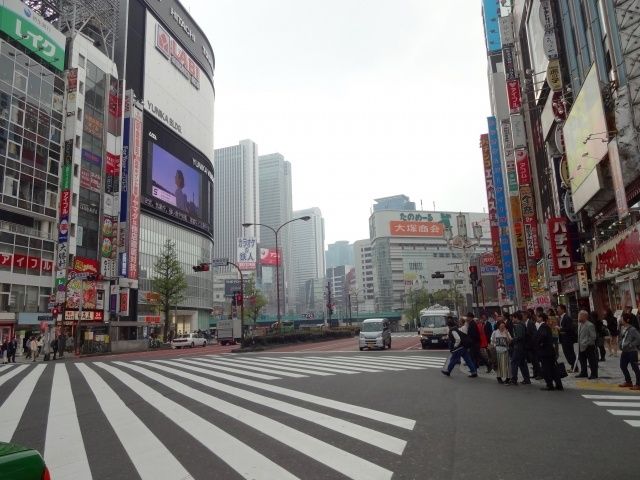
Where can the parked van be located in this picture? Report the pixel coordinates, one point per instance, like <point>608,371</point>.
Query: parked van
<point>375,333</point>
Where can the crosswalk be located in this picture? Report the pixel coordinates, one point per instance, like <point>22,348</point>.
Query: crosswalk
<point>405,335</point>
<point>625,406</point>
<point>151,418</point>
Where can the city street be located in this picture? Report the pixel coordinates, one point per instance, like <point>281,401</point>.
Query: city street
<point>315,414</point>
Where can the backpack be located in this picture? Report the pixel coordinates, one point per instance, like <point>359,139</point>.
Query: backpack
<point>465,339</point>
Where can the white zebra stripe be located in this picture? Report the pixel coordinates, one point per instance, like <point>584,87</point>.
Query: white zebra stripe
<point>344,462</point>
<point>8,376</point>
<point>270,364</point>
<point>12,409</point>
<point>211,364</point>
<point>314,365</point>
<point>235,363</point>
<point>346,364</point>
<point>64,450</point>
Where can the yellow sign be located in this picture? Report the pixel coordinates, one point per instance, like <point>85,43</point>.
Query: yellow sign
<point>554,76</point>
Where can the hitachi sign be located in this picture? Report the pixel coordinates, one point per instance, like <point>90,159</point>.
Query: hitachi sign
<point>182,24</point>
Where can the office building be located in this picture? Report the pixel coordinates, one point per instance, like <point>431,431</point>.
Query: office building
<point>307,253</point>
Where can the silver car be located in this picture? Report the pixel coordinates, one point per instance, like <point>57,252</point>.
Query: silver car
<point>375,333</point>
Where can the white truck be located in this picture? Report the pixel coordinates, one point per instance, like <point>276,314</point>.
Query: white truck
<point>433,326</point>
<point>229,331</point>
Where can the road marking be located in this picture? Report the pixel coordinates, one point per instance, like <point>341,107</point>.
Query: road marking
<point>602,386</point>
<point>248,366</point>
<point>364,434</point>
<point>623,401</point>
<point>618,404</point>
<point>348,363</point>
<point>242,458</point>
<point>344,462</point>
<point>613,397</point>
<point>401,363</point>
<point>331,362</point>
<point>388,418</point>
<point>212,364</point>
<point>633,423</point>
<point>271,363</point>
<point>64,450</point>
<point>8,376</point>
<point>12,409</point>
<point>148,454</point>
<point>625,413</point>
<point>314,365</point>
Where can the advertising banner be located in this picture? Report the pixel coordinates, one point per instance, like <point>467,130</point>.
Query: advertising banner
<point>525,287</point>
<point>509,65</point>
<point>501,205</point>
<point>92,125</point>
<point>561,257</point>
<point>617,256</point>
<point>135,158</point>
<point>522,166</point>
<point>518,131</point>
<point>416,229</point>
<point>247,253</point>
<point>583,280</point>
<point>90,180</point>
<point>269,257</point>
<point>33,32</point>
<point>514,96</point>
<point>618,182</point>
<point>491,15</point>
<point>488,178</point>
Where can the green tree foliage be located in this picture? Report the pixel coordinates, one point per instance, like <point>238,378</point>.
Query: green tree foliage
<point>169,281</point>
<point>416,300</point>
<point>255,301</point>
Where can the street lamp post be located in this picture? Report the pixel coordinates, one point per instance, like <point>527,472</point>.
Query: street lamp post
<point>241,303</point>
<point>279,257</point>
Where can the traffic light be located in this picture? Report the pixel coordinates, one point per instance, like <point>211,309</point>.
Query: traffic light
<point>203,267</point>
<point>473,273</point>
<point>238,298</point>
<point>54,312</point>
<point>437,275</point>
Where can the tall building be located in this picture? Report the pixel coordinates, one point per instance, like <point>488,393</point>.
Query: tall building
<point>275,210</point>
<point>396,202</point>
<point>307,253</point>
<point>364,294</point>
<point>339,253</point>
<point>236,197</point>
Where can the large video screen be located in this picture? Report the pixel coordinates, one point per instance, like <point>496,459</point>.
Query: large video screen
<point>178,179</point>
<point>174,182</point>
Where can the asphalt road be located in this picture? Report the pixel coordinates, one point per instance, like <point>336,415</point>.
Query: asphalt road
<point>312,414</point>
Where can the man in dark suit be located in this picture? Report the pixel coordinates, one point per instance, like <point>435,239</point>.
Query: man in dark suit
<point>474,335</point>
<point>543,342</point>
<point>530,343</point>
<point>567,336</point>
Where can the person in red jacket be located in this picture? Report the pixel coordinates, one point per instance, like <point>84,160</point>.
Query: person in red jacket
<point>484,342</point>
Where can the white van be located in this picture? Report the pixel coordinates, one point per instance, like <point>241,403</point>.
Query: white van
<point>375,333</point>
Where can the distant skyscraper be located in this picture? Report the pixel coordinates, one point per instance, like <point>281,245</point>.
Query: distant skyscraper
<point>307,251</point>
<point>396,202</point>
<point>236,197</point>
<point>339,253</point>
<point>275,210</point>
<point>364,295</point>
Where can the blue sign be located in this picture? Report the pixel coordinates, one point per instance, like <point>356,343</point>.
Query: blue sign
<point>501,207</point>
<point>491,14</point>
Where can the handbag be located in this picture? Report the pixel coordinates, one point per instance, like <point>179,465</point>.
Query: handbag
<point>562,370</point>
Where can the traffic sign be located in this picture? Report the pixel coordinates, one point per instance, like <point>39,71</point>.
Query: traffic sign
<point>219,262</point>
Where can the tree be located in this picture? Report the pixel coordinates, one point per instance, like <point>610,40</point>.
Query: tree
<point>415,301</point>
<point>448,297</point>
<point>169,282</point>
<point>256,301</point>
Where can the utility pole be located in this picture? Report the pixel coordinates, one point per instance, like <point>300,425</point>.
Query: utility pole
<point>329,305</point>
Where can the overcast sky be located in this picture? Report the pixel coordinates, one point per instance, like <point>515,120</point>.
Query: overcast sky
<point>365,98</point>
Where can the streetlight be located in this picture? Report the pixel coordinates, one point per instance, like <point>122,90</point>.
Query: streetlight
<point>462,242</point>
<point>275,233</point>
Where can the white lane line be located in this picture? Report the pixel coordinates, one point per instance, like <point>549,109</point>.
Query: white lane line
<point>270,364</point>
<point>368,435</point>
<point>382,363</point>
<point>371,414</point>
<point>13,407</point>
<point>236,363</point>
<point>633,423</point>
<point>344,462</point>
<point>64,450</point>
<point>612,397</point>
<point>417,359</point>
<point>346,363</point>
<point>242,458</point>
<point>336,364</point>
<point>618,404</point>
<point>625,413</point>
<point>8,376</point>
<point>312,365</point>
<point>208,364</point>
<point>147,453</point>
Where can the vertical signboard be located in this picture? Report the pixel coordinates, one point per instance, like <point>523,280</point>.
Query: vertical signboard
<point>247,253</point>
<point>501,207</point>
<point>561,257</point>
<point>509,156</point>
<point>135,174</point>
<point>491,201</point>
<point>618,182</point>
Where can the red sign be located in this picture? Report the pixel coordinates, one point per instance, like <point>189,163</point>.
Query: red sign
<point>487,259</point>
<point>514,96</point>
<point>26,262</point>
<point>561,258</point>
<point>65,203</point>
<point>90,180</point>
<point>269,256</point>
<point>113,164</point>
<point>85,265</point>
<point>178,56</point>
<point>525,286</point>
<point>136,167</point>
<point>522,167</point>
<point>618,256</point>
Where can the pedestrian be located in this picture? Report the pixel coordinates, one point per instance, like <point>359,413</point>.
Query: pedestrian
<point>530,327</point>
<point>54,346</point>
<point>629,346</point>
<point>634,319</point>
<point>611,322</point>
<point>546,353</point>
<point>555,330</point>
<point>459,342</point>
<point>567,337</point>
<point>587,337</point>
<point>484,342</point>
<point>500,339</point>
<point>519,351</point>
<point>62,343</point>
<point>601,335</point>
<point>4,349</point>
<point>26,351</point>
<point>13,348</point>
<point>40,343</point>
<point>33,346</point>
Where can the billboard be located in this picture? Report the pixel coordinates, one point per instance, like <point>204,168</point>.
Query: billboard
<point>269,257</point>
<point>177,179</point>
<point>585,137</point>
<point>491,14</point>
<point>399,228</point>
<point>33,32</point>
<point>247,253</point>
<point>561,246</point>
<point>176,92</point>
